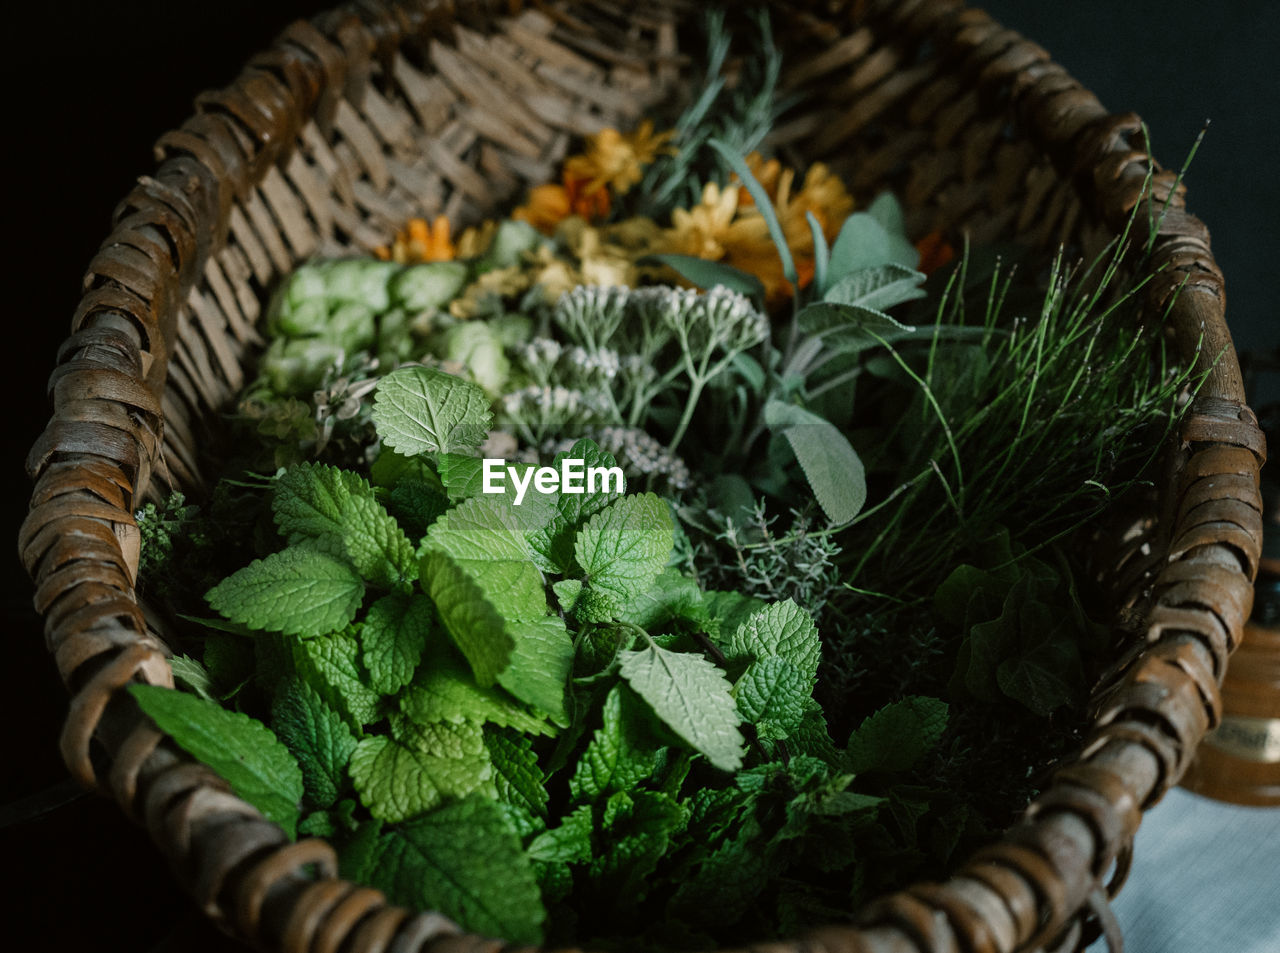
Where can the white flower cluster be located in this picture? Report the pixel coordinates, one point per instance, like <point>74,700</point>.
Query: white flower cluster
<point>639,454</point>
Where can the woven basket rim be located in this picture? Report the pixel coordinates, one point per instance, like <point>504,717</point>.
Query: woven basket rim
<point>1035,885</point>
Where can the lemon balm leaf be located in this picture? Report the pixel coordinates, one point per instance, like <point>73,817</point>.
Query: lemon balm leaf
<point>423,410</point>
<point>692,697</point>
<point>298,591</point>
<point>243,751</point>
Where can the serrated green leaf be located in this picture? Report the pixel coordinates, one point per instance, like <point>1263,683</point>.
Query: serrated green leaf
<point>244,752</point>
<point>415,505</point>
<point>190,675</point>
<point>335,510</point>
<point>298,591</point>
<point>422,410</point>
<point>318,738</point>
<point>771,694</point>
<point>486,539</point>
<point>472,622</point>
<point>622,549</point>
<point>516,775</point>
<point>465,861</point>
<point>780,629</point>
<point>620,753</point>
<point>672,596</point>
<point>329,664</point>
<point>727,881</point>
<point>554,543</point>
<point>898,735</point>
<point>568,842</point>
<point>639,827</point>
<point>397,782</point>
<point>392,637</point>
<point>462,475</point>
<point>727,611</point>
<point>692,697</point>
<point>443,689</point>
<point>831,465</point>
<point>541,662</point>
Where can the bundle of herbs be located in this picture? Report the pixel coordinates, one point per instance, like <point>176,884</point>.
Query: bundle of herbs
<point>672,563</point>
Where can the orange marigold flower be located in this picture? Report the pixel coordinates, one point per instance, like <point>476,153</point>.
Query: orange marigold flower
<point>587,199</point>
<point>547,207</point>
<point>616,161</point>
<point>418,242</point>
<point>552,203</point>
<point>935,251</point>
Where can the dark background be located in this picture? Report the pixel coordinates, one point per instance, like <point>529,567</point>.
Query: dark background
<point>91,86</point>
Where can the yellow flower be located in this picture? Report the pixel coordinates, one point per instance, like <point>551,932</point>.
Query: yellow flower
<point>702,230</point>
<point>419,242</point>
<point>503,282</point>
<point>824,195</point>
<point>475,241</point>
<point>615,160</point>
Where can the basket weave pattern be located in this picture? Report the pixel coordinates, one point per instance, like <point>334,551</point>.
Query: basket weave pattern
<point>362,118</point>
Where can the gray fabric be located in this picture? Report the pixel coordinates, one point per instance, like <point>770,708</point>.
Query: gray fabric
<point>1205,879</point>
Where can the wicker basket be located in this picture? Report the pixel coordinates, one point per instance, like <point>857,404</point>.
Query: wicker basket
<point>361,118</point>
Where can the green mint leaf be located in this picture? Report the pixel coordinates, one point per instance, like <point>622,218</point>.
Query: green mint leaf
<point>516,774</point>
<point>781,629</point>
<point>415,505</point>
<point>485,537</point>
<point>422,410</point>
<point>569,842</point>
<point>398,781</point>
<point>462,475</point>
<point>335,510</point>
<point>692,697</point>
<point>191,676</point>
<point>672,596</point>
<point>443,689</point>
<point>329,664</point>
<point>639,827</point>
<point>898,735</point>
<point>620,753</point>
<point>465,860</point>
<point>392,637</point>
<point>771,694</point>
<point>567,592</point>
<point>555,542</point>
<point>622,549</point>
<point>811,737</point>
<point>298,591</point>
<point>359,853</point>
<point>541,662</point>
<point>243,751</point>
<point>318,738</point>
<point>831,465</point>
<point>879,287</point>
<point>727,611</point>
<point>472,622</point>
<point>726,883</point>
